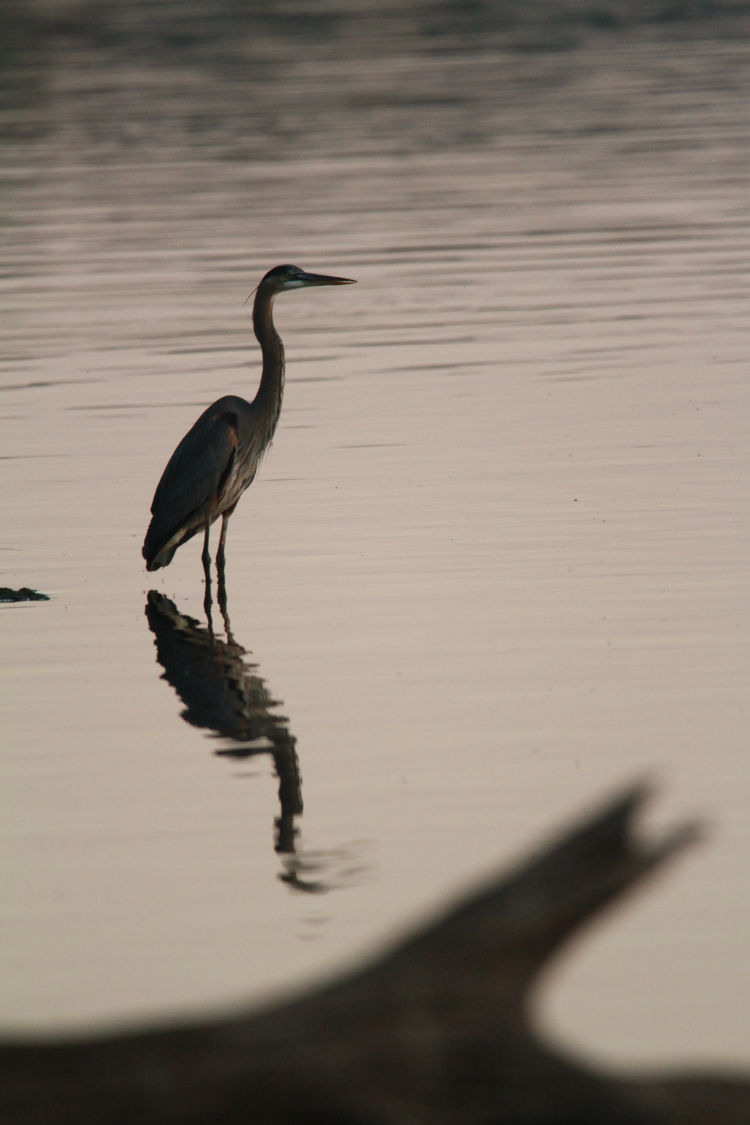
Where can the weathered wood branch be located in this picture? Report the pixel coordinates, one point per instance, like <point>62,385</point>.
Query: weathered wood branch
<point>434,1033</point>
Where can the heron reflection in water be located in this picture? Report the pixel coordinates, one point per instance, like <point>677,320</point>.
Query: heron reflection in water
<point>219,457</point>
<point>224,693</point>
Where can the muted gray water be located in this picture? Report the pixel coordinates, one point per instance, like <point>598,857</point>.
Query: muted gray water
<point>495,563</point>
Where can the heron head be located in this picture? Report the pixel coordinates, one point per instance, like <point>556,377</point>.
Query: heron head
<point>282,278</point>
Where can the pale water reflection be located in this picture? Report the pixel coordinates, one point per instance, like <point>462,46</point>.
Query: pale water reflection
<point>496,561</point>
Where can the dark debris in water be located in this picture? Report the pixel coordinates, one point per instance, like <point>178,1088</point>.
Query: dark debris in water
<point>25,594</point>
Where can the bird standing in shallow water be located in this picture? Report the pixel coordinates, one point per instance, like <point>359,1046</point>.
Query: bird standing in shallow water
<point>218,458</point>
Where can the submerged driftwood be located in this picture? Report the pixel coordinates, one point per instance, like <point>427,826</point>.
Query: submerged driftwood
<point>434,1033</point>
<point>25,594</point>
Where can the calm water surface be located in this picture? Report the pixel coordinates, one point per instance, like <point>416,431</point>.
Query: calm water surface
<point>494,566</point>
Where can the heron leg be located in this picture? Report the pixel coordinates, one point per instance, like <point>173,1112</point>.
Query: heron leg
<point>220,556</point>
<point>205,556</point>
<point>222,595</point>
<point>206,559</point>
<point>221,568</point>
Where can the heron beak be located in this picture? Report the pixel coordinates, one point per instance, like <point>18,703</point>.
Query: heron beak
<point>324,279</point>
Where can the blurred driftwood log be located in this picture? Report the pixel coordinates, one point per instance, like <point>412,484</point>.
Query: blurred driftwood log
<point>434,1032</point>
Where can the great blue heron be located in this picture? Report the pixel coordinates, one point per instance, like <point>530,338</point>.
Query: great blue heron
<point>218,458</point>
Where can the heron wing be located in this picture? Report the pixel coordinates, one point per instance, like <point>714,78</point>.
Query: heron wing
<point>191,484</point>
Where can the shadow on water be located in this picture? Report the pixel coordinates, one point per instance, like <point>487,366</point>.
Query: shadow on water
<point>223,692</point>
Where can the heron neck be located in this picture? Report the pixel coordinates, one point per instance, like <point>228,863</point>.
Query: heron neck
<point>272,380</point>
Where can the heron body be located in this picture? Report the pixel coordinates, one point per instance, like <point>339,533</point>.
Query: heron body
<point>219,457</point>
